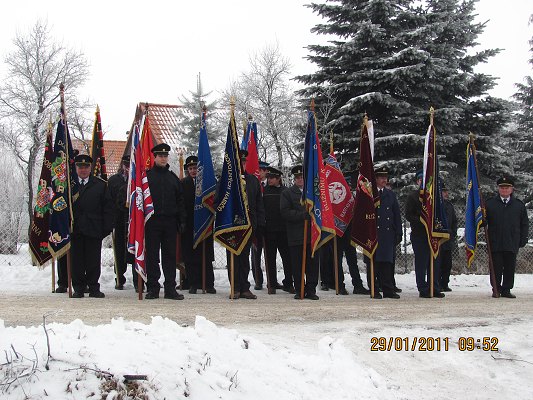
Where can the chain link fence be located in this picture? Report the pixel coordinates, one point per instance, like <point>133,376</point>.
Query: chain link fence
<point>14,247</point>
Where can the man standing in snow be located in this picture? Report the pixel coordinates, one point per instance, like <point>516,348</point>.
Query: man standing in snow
<point>508,230</point>
<point>447,247</point>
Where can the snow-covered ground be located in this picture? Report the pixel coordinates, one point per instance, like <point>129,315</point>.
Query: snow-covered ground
<point>297,358</point>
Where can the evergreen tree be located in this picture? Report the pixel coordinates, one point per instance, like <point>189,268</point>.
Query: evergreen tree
<point>522,144</point>
<point>394,59</point>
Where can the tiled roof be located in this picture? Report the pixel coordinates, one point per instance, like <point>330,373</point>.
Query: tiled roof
<point>163,120</point>
<point>114,150</point>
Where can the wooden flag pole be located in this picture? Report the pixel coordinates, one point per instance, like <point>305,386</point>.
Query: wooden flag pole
<point>203,267</point>
<point>304,256</point>
<point>267,270</point>
<point>372,278</point>
<point>495,292</point>
<point>336,264</point>
<point>140,284</point>
<point>69,274</point>
<point>232,276</point>
<point>115,262</point>
<point>53,275</point>
<point>431,273</point>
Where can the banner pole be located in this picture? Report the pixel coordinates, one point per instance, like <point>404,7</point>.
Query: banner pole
<point>267,269</point>
<point>431,273</point>
<point>232,276</point>
<point>372,278</point>
<point>140,285</point>
<point>336,265</point>
<point>302,281</point>
<point>53,275</point>
<point>203,266</point>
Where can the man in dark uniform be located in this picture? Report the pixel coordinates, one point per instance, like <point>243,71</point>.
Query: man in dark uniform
<point>419,241</point>
<point>295,214</point>
<point>508,231</point>
<point>257,247</point>
<point>162,228</point>
<point>193,257</point>
<point>276,233</point>
<point>389,225</point>
<point>115,184</point>
<point>447,247</point>
<point>256,212</point>
<point>93,221</point>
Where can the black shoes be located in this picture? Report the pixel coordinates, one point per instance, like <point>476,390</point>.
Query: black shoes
<point>288,289</point>
<point>397,290</point>
<point>343,291</point>
<point>151,296</point>
<point>193,290</point>
<point>324,287</point>
<point>77,295</point>
<point>61,289</point>
<point>211,290</point>
<point>425,295</point>
<point>377,295</point>
<point>311,296</point>
<point>277,286</point>
<point>392,295</point>
<point>258,287</point>
<point>272,290</point>
<point>360,290</point>
<point>446,289</point>
<point>174,296</point>
<point>248,295</point>
<point>508,295</point>
<point>236,295</point>
<point>97,295</point>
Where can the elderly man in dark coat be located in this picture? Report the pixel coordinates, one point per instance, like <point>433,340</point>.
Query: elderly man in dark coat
<point>295,215</point>
<point>192,257</point>
<point>508,231</point>
<point>93,221</point>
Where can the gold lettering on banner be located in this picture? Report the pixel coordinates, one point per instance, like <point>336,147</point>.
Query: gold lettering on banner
<point>370,216</point>
<point>224,201</point>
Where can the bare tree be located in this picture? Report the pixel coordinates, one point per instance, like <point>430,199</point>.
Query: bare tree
<point>265,93</point>
<point>29,94</point>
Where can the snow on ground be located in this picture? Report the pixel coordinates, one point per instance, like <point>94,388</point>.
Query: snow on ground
<point>307,360</point>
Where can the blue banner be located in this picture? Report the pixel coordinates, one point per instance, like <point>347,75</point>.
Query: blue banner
<point>474,210</point>
<point>65,190</point>
<point>206,182</point>
<point>232,222</point>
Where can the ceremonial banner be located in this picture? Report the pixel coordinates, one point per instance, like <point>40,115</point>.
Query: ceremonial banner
<point>204,212</point>
<point>232,222</point>
<point>432,215</point>
<point>147,143</point>
<point>65,188</point>
<point>342,200</point>
<point>40,223</point>
<point>315,194</point>
<point>252,160</point>
<point>98,166</point>
<point>364,226</point>
<point>474,210</point>
<point>141,206</point>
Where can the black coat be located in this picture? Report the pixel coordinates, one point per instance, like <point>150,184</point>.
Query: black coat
<point>294,214</point>
<point>451,219</point>
<point>189,254</point>
<point>115,185</point>
<point>389,226</point>
<point>271,199</point>
<point>508,224</point>
<point>167,194</point>
<point>93,210</point>
<point>413,210</point>
<point>256,209</point>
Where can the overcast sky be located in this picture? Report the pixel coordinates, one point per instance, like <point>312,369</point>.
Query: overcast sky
<point>153,50</point>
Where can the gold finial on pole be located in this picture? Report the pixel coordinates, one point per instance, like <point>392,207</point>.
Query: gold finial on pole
<point>365,118</point>
<point>312,104</point>
<point>232,104</point>
<point>431,113</point>
<point>471,137</point>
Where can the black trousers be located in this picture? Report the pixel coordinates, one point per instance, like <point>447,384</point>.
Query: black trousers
<point>194,273</point>
<point>311,269</point>
<point>351,259</point>
<point>277,241</point>
<point>383,276</point>
<point>85,257</point>
<point>504,267</point>
<point>62,274</point>
<point>160,233</point>
<point>327,266</point>
<point>241,269</point>
<point>422,265</point>
<point>122,256</point>
<point>257,249</point>
<point>445,267</point>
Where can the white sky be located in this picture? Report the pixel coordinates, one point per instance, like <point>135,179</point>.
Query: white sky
<point>152,51</point>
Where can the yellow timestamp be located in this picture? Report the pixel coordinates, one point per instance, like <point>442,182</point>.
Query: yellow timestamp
<point>424,343</point>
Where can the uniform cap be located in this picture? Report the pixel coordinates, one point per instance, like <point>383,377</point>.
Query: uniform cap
<point>505,181</point>
<point>190,161</point>
<point>297,170</point>
<point>381,171</point>
<point>83,160</point>
<point>161,149</point>
<point>273,172</point>
<point>263,164</point>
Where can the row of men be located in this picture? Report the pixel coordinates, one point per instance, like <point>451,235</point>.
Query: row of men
<point>277,219</point>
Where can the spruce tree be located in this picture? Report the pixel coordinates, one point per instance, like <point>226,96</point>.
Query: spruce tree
<point>394,59</point>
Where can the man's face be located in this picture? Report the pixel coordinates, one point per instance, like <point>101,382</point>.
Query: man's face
<point>299,181</point>
<point>381,181</point>
<point>83,171</point>
<point>505,191</point>
<point>161,160</point>
<point>262,173</point>
<point>243,164</point>
<point>192,170</point>
<point>445,194</point>
<point>273,180</point>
